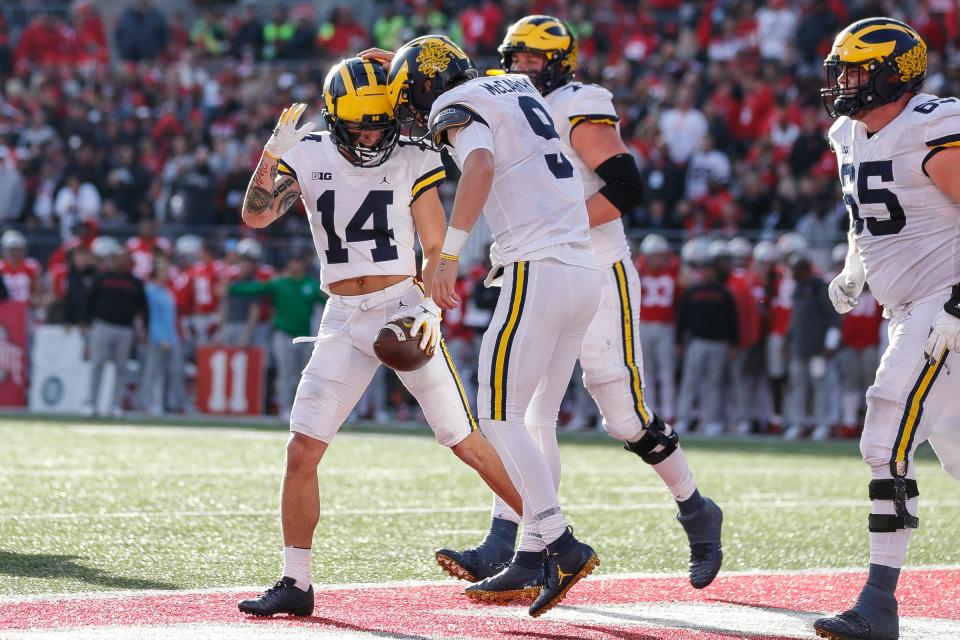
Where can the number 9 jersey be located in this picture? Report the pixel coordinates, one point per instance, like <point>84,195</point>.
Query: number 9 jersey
<point>360,217</point>
<point>906,229</point>
<point>536,207</point>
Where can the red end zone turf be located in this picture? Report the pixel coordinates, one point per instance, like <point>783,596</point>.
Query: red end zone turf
<point>770,606</point>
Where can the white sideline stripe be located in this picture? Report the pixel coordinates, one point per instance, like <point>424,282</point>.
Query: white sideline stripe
<point>400,584</point>
<point>640,506</point>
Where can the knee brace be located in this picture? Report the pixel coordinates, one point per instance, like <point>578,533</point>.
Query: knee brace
<point>898,490</point>
<point>655,445</point>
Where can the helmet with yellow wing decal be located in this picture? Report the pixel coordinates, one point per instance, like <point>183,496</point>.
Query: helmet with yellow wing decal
<point>872,63</point>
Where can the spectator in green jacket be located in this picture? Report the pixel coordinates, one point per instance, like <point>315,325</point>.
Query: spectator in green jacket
<point>294,295</point>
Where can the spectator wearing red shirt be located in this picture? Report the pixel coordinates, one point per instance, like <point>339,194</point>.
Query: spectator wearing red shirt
<point>480,24</point>
<point>91,44</point>
<point>858,359</point>
<point>20,274</point>
<point>144,248</point>
<point>747,365</point>
<point>342,35</point>
<point>658,282</point>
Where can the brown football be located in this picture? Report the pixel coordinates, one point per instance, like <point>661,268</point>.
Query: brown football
<point>397,349</point>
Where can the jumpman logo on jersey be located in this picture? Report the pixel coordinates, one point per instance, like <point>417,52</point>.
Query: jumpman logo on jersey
<point>384,180</point>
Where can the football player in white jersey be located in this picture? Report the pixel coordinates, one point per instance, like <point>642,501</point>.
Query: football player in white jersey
<point>365,192</point>
<point>500,132</point>
<point>898,151</point>
<point>544,49</point>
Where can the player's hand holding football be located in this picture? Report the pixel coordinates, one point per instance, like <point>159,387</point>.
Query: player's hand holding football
<point>426,319</point>
<point>286,135</point>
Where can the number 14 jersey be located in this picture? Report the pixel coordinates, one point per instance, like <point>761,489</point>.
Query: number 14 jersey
<point>360,217</point>
<point>907,230</point>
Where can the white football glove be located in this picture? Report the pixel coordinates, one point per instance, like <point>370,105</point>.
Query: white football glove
<point>944,336</point>
<point>846,288</point>
<point>286,135</point>
<point>426,318</point>
<point>495,275</point>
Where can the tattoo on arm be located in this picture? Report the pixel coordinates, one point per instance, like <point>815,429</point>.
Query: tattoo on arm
<point>273,171</point>
<point>258,199</point>
<point>288,201</point>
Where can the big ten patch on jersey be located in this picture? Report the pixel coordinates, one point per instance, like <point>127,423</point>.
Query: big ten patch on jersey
<point>902,222</point>
<point>536,200</point>
<point>360,217</point>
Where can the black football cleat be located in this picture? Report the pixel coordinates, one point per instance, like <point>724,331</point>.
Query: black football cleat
<point>520,580</point>
<point>568,562</point>
<point>703,532</point>
<point>487,559</point>
<point>873,617</point>
<point>283,597</point>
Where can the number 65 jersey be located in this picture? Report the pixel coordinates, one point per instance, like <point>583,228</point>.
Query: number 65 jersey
<point>360,217</point>
<point>907,230</point>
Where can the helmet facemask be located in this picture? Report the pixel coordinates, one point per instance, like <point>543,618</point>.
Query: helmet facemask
<point>355,102</point>
<point>868,85</point>
<point>345,136</point>
<point>552,74</point>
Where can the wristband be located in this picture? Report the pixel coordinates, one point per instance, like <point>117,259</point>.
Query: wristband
<point>453,243</point>
<point>952,306</point>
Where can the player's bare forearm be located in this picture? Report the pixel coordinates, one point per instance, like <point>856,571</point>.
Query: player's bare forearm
<point>268,195</point>
<point>431,223</point>
<point>472,192</point>
<point>600,211</point>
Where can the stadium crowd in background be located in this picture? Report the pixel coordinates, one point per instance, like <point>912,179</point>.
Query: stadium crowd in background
<point>144,126</point>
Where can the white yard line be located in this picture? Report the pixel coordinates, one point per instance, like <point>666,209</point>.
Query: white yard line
<point>400,584</point>
<point>662,505</point>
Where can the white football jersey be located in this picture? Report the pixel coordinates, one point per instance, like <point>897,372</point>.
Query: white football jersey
<point>535,209</point>
<point>907,230</point>
<point>572,104</point>
<point>360,217</point>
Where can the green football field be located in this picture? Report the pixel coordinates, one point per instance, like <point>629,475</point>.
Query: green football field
<point>93,506</point>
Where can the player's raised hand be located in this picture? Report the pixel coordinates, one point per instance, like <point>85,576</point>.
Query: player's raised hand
<point>376,54</point>
<point>285,134</point>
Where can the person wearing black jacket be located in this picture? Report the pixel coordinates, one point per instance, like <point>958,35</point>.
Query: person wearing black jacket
<point>116,299</point>
<point>80,280</point>
<point>707,326</point>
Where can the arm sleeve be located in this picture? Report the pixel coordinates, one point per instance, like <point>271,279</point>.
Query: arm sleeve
<point>590,103</point>
<point>432,174</point>
<point>942,130</point>
<point>472,137</point>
